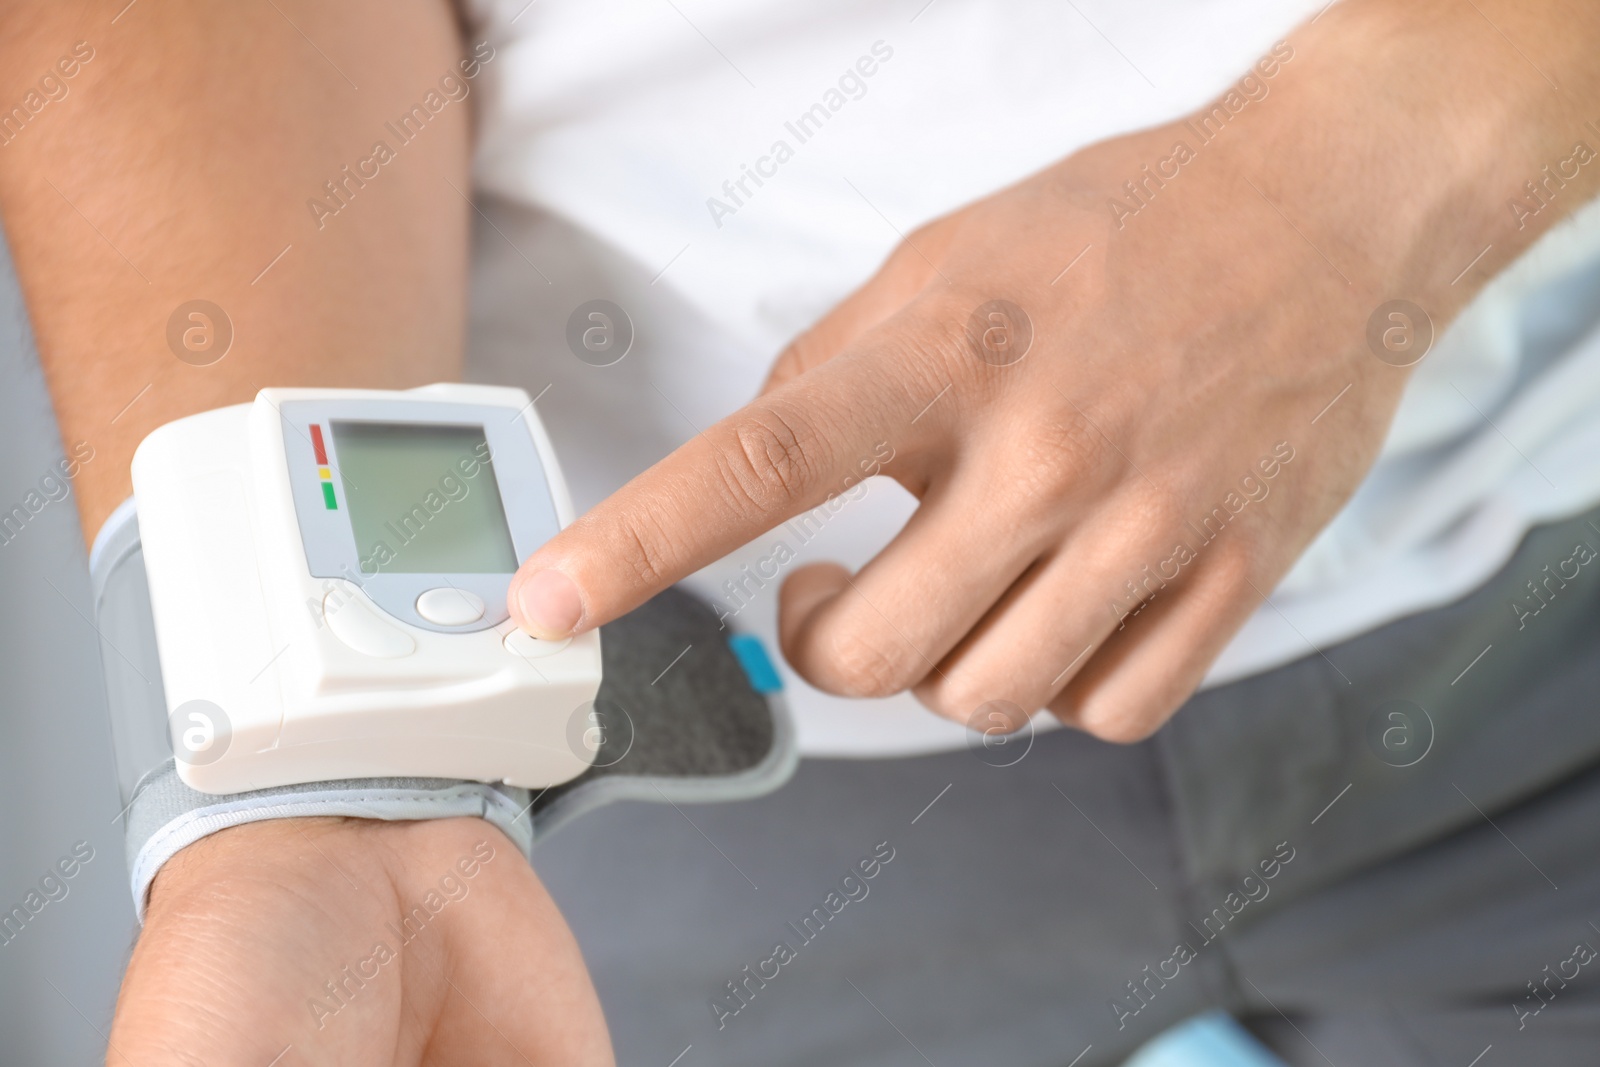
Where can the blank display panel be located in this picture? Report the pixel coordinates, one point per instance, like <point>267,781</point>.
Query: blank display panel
<point>422,498</point>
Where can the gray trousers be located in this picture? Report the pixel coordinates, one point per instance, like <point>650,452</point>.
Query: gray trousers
<point>1367,855</point>
<point>1361,888</point>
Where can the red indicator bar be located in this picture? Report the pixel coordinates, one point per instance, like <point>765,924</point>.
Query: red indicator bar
<point>317,446</point>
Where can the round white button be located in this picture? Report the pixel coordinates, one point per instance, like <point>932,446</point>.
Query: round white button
<point>530,647</point>
<point>449,606</point>
<point>360,627</point>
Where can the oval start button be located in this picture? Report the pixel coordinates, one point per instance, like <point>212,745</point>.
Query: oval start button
<point>449,606</point>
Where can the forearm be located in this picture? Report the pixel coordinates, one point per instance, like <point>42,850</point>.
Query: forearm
<point>182,163</point>
<point>1403,133</point>
<point>1398,137</point>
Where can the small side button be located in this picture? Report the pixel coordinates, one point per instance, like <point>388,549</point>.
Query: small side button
<point>527,646</point>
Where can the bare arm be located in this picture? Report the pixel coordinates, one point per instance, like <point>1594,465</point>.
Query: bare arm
<point>178,166</point>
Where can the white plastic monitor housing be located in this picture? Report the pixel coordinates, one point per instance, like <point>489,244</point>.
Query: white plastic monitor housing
<point>309,658</point>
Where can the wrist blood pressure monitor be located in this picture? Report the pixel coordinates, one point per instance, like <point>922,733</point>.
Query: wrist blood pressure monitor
<point>327,574</point>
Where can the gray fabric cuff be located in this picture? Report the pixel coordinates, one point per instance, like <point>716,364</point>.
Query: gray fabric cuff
<point>692,713</point>
<point>166,815</point>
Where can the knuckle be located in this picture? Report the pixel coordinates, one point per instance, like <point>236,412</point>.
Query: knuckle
<point>1158,513</point>
<point>642,560</point>
<point>1067,450</point>
<point>1233,572</point>
<point>954,697</point>
<point>1051,461</point>
<point>862,667</point>
<point>1116,726</point>
<point>931,240</point>
<point>770,462</point>
<point>643,551</point>
<point>941,331</point>
<point>1148,529</point>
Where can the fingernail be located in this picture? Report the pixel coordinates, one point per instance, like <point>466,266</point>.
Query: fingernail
<point>551,605</point>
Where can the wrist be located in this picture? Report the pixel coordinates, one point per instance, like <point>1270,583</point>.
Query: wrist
<point>271,855</point>
<point>293,860</point>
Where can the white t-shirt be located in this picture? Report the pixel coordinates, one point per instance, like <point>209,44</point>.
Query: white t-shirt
<point>627,131</point>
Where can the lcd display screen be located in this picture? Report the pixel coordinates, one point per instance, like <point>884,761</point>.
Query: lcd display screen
<point>422,498</point>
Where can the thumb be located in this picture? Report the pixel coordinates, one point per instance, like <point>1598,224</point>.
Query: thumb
<point>784,453</point>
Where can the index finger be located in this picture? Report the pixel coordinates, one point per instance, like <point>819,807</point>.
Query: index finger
<point>786,452</point>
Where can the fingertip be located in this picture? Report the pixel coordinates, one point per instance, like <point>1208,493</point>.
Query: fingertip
<point>547,604</point>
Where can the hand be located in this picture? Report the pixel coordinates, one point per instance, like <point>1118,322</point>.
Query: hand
<point>1102,511</point>
<point>1166,374</point>
<point>289,939</point>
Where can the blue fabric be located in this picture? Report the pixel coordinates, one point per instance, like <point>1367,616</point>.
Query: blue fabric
<point>1210,1040</point>
<point>752,656</point>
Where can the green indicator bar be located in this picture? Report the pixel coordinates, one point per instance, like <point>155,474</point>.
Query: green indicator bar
<point>327,496</point>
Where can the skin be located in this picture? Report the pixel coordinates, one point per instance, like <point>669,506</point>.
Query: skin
<point>116,217</point>
<point>1165,365</point>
